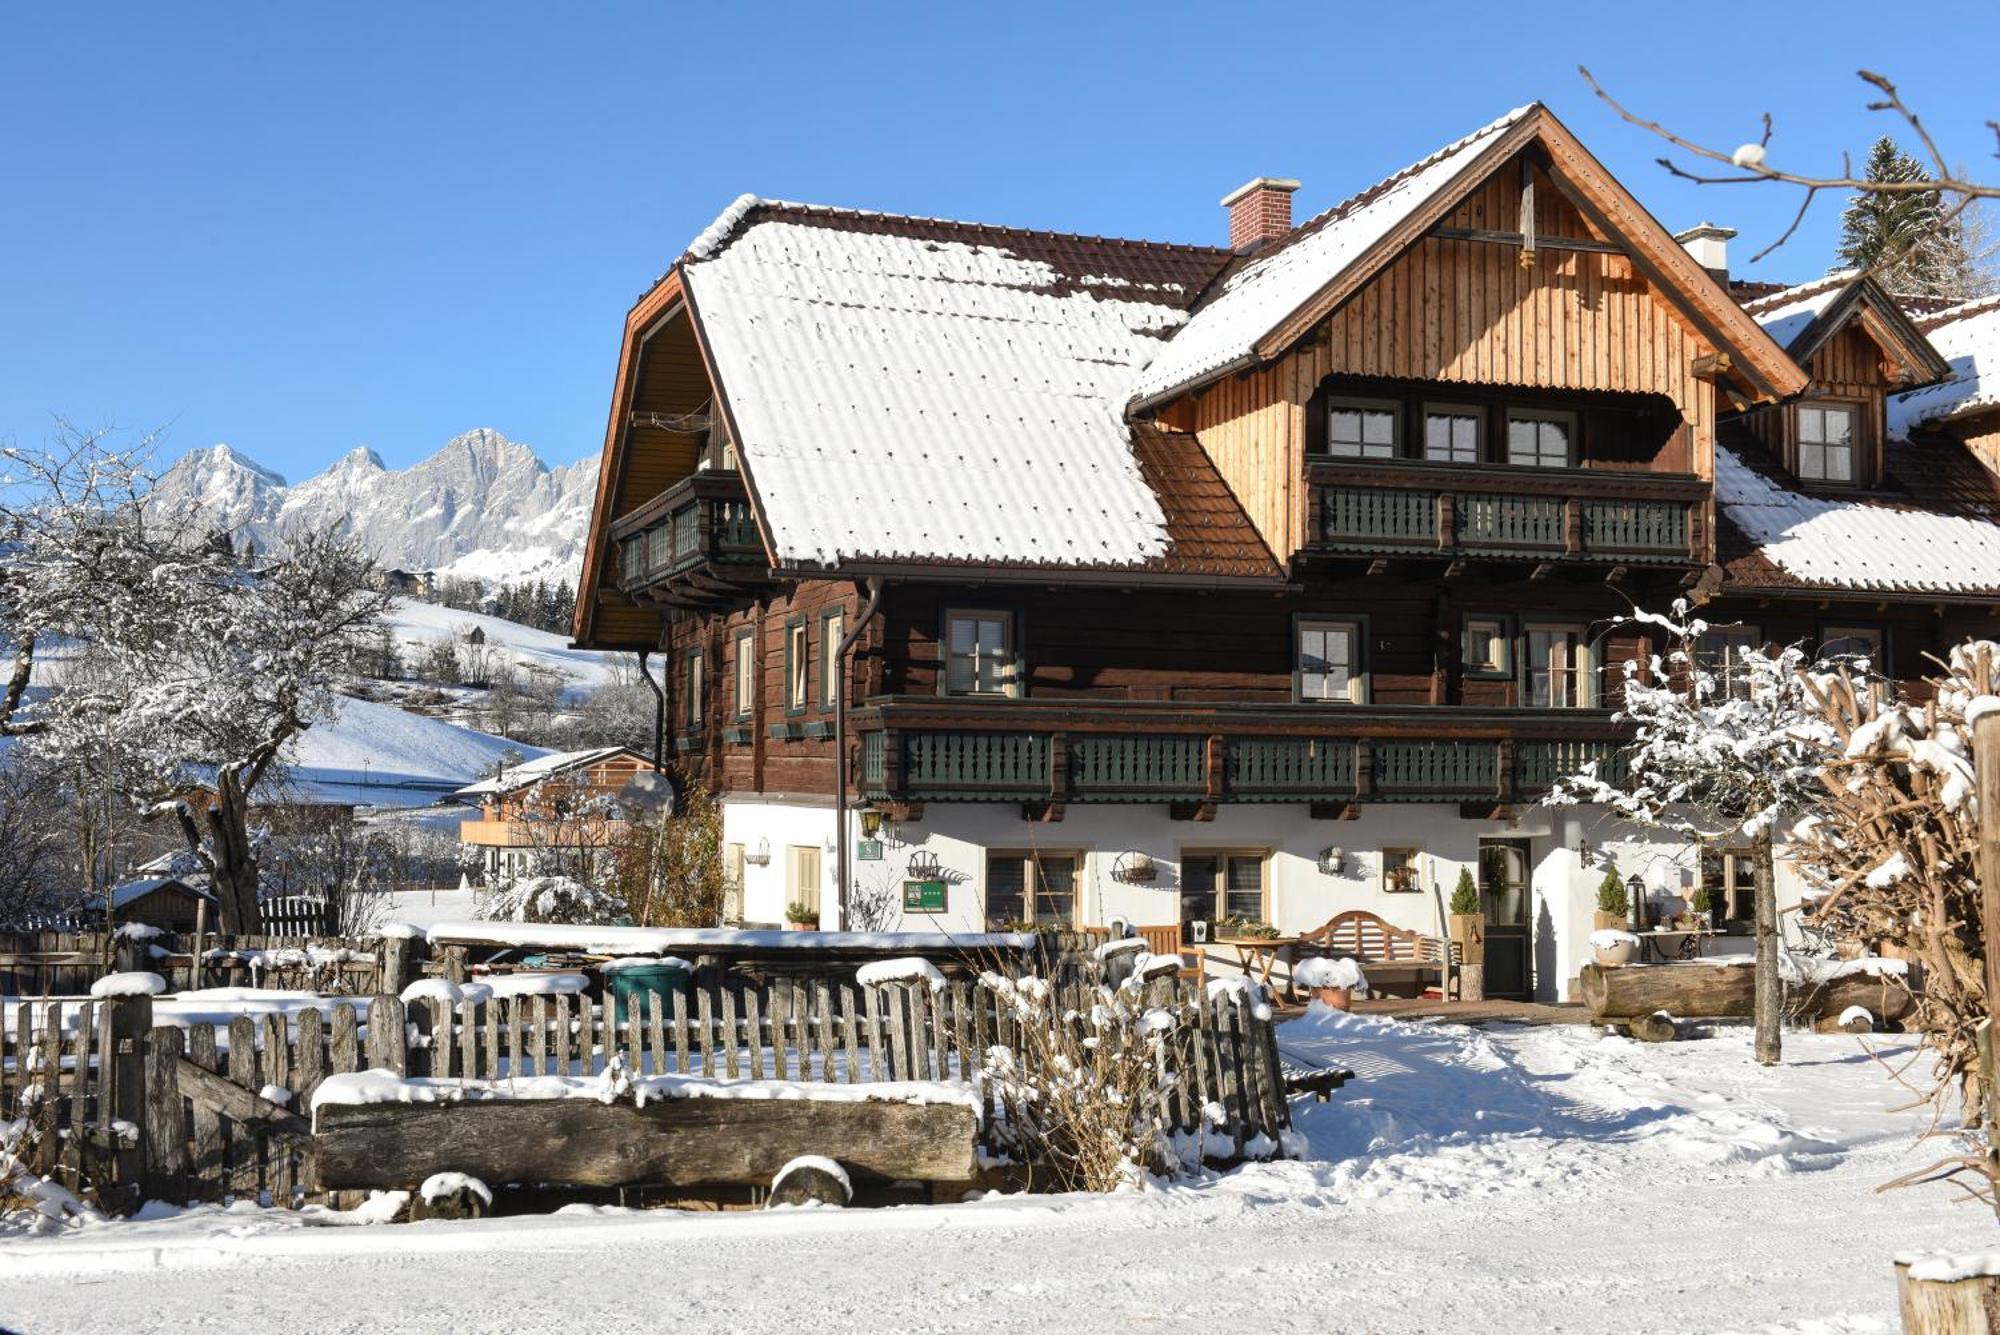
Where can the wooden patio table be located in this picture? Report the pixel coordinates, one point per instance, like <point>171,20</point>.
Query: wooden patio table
<point>1258,955</point>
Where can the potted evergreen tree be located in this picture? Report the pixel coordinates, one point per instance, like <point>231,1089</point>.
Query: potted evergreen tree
<point>1611,943</point>
<point>1468,934</point>
<point>801,917</point>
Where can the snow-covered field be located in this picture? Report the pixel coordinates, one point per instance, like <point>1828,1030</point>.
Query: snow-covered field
<point>377,755</point>
<point>1514,1180</point>
<point>418,625</point>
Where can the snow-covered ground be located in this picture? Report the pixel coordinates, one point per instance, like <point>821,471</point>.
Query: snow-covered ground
<point>377,755</point>
<point>1514,1180</point>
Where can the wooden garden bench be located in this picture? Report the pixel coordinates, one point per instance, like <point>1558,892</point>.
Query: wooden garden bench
<point>1394,958</point>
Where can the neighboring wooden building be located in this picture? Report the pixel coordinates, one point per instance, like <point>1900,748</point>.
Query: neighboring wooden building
<point>165,902</point>
<point>1284,572</point>
<point>567,807</point>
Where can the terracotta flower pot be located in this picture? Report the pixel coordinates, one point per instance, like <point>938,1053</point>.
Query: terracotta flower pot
<point>801,926</point>
<point>1334,998</point>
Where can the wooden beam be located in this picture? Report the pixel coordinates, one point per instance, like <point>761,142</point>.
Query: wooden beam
<point>240,1105</point>
<point>1519,241</point>
<point>1045,813</point>
<point>1195,811</point>
<point>1712,366</point>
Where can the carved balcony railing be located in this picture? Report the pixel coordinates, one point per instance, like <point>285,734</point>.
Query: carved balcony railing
<point>948,750</point>
<point>701,523</point>
<point>1491,511</point>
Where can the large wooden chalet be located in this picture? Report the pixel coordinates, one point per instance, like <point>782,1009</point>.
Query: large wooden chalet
<point>1261,581</point>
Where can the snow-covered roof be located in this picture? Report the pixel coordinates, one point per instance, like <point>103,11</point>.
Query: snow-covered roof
<point>909,389</point>
<point>133,891</point>
<point>1968,336</point>
<point>1265,292</point>
<point>1857,543</point>
<point>516,777</point>
<point>1785,315</point>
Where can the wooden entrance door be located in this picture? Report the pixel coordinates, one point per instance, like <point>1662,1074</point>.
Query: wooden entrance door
<point>1504,866</point>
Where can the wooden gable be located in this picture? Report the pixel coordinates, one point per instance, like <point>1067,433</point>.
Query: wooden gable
<point>1458,306</point>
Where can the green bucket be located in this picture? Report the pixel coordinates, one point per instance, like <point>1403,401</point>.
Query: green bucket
<point>630,985</point>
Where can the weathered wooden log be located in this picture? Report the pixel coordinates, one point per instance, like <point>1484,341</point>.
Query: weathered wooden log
<point>1959,1306</point>
<point>241,1106</point>
<point>1658,1027</point>
<point>1853,1020</point>
<point>669,1142</point>
<point>1726,990</point>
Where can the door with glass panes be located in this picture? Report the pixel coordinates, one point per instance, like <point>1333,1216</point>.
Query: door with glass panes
<point>1503,885</point>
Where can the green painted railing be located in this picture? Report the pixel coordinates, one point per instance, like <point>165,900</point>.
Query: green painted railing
<point>999,762</point>
<point>1635,525</point>
<point>1537,765</point>
<point>1378,514</point>
<point>1288,768</point>
<point>1136,766</point>
<point>1436,767</point>
<point>1512,521</point>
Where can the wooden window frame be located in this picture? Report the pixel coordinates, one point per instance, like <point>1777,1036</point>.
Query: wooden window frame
<point>1034,856</point>
<point>1586,644</point>
<point>743,674</point>
<point>1332,403</point>
<point>1414,852</point>
<point>1359,690</point>
<point>798,666</point>
<point>832,630</point>
<point>1225,854</point>
<point>694,673</point>
<point>793,881</point>
<point>1859,450</point>
<point>1740,635</point>
<point>1010,653</point>
<point>1566,417</point>
<point>1421,448</point>
<point>1878,661</point>
<point>1504,626</point>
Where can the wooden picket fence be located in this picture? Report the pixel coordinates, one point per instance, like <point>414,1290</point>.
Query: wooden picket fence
<point>55,964</point>
<point>143,1111</point>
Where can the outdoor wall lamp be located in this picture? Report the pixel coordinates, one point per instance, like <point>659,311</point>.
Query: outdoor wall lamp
<point>871,822</point>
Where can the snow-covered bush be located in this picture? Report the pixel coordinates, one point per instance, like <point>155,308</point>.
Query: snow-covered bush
<point>1892,851</point>
<point>1081,1093</point>
<point>554,899</point>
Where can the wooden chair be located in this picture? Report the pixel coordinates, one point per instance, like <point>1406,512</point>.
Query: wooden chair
<point>1166,940</point>
<point>1394,958</point>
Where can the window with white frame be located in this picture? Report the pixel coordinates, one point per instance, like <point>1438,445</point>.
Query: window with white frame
<point>1483,647</point>
<point>1540,439</point>
<point>1826,442</point>
<point>797,663</point>
<point>1561,667</point>
<point>979,653</point>
<point>1451,434</point>
<point>1031,887</point>
<point>1329,662</point>
<point>832,630</point>
<point>692,686</point>
<point>1361,429</point>
<point>746,673</point>
<point>1223,884</point>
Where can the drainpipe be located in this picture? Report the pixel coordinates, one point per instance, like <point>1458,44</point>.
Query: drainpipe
<point>847,643</point>
<point>659,715</point>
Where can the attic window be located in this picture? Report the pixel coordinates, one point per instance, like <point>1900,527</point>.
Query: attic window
<point>1361,428</point>
<point>1826,442</point>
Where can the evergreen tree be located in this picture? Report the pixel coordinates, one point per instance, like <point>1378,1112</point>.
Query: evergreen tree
<point>1906,238</point>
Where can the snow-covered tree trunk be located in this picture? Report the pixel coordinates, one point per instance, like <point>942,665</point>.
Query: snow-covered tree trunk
<point>1770,994</point>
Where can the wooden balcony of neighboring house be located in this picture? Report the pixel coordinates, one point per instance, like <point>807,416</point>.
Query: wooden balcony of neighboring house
<point>1193,756</point>
<point>1588,518</point>
<point>694,545</point>
<point>490,832</point>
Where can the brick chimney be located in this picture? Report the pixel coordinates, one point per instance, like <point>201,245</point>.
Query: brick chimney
<point>1260,212</point>
<point>1709,245</point>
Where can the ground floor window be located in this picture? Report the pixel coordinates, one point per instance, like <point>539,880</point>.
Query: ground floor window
<point>1399,871</point>
<point>1031,887</point>
<point>1223,885</point>
<point>1730,877</point>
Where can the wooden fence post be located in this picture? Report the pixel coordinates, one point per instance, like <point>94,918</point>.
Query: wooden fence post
<point>387,1039</point>
<point>402,962</point>
<point>124,1063</point>
<point>164,1125</point>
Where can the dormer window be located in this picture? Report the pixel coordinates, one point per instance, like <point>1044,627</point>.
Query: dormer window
<point>1361,429</point>
<point>1826,442</point>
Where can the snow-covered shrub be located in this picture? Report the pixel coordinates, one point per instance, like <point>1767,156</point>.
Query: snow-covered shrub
<point>1893,847</point>
<point>1081,1092</point>
<point>555,899</point>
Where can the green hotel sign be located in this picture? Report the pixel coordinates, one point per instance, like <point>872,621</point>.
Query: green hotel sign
<point>923,896</point>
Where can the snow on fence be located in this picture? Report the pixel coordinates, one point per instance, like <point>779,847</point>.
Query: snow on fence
<point>47,964</point>
<point>124,1108</point>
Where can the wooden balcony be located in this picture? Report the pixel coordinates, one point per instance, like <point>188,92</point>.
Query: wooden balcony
<point>1492,511</point>
<point>695,544</point>
<point>922,749</point>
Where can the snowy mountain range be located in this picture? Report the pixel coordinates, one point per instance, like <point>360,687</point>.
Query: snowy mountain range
<point>482,507</point>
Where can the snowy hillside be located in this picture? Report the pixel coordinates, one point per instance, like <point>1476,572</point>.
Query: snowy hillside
<point>482,507</point>
<point>418,625</point>
<point>378,755</point>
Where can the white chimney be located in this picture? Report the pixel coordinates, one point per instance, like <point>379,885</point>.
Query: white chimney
<point>1260,212</point>
<point>1709,245</point>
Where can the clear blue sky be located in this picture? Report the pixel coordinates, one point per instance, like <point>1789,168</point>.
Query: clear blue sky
<point>301,228</point>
